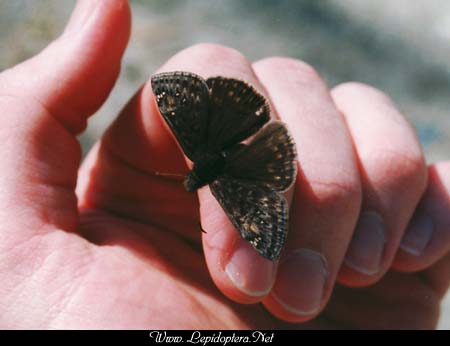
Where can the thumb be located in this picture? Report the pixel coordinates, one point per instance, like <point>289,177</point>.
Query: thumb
<point>45,102</point>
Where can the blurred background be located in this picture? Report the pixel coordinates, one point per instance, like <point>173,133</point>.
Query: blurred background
<point>401,47</point>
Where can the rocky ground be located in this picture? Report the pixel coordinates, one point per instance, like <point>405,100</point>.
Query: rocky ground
<point>401,47</point>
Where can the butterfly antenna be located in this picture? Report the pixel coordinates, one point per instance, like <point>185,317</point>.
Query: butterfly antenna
<point>179,177</point>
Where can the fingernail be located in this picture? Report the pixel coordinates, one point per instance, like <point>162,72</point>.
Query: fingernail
<point>418,234</point>
<point>249,271</point>
<point>301,280</point>
<point>80,15</point>
<point>366,248</point>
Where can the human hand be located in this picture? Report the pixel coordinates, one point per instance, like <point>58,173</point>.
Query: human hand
<point>125,251</point>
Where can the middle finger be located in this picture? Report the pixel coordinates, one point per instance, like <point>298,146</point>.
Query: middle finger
<point>328,194</point>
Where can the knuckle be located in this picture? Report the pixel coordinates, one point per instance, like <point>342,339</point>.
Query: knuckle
<point>357,90</point>
<point>336,193</point>
<point>297,70</point>
<point>441,166</point>
<point>398,168</point>
<point>215,52</point>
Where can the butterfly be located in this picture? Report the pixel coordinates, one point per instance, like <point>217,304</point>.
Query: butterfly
<point>212,121</point>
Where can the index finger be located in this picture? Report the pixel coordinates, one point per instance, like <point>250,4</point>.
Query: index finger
<point>236,268</point>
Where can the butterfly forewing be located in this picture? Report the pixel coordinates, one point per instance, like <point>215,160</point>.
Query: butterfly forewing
<point>269,160</point>
<point>258,213</point>
<point>237,112</point>
<point>183,100</point>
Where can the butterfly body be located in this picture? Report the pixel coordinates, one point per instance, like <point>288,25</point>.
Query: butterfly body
<point>210,119</point>
<point>207,168</point>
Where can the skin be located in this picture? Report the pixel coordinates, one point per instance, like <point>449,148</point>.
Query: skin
<point>112,245</point>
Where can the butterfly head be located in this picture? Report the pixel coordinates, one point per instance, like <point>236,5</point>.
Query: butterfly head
<point>192,182</point>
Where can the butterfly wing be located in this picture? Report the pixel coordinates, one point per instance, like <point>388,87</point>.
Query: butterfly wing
<point>258,213</point>
<point>183,100</point>
<point>237,112</point>
<point>270,160</point>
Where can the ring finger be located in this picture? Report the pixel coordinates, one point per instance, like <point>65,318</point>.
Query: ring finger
<point>393,175</point>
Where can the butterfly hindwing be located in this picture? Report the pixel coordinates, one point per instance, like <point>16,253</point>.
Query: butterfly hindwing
<point>258,213</point>
<point>183,100</point>
<point>237,112</point>
<point>269,160</point>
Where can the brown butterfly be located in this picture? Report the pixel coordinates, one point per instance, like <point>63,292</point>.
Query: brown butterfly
<point>210,120</point>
